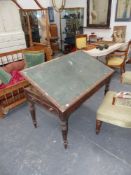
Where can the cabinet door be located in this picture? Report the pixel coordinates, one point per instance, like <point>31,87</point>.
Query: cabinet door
<point>10,16</point>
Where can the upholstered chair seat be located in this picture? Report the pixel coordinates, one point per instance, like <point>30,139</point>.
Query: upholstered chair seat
<point>115,61</point>
<point>116,114</point>
<point>81,41</point>
<point>126,77</point>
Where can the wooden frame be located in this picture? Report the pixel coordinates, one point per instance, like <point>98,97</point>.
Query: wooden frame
<point>17,4</point>
<point>119,34</point>
<point>119,54</point>
<point>123,10</point>
<point>12,96</point>
<point>28,20</point>
<point>27,12</point>
<point>96,25</point>
<point>36,94</point>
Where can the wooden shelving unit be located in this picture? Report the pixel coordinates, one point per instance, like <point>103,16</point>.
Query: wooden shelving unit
<point>71,23</point>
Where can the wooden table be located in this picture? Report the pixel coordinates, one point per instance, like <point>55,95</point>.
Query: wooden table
<point>63,84</point>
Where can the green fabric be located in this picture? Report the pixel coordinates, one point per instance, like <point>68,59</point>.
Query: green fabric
<point>33,58</point>
<point>4,76</point>
<point>68,76</point>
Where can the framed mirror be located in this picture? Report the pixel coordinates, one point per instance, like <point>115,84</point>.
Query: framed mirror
<point>98,13</point>
<point>35,27</point>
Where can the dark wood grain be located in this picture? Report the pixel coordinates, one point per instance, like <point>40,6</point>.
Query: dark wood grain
<point>34,95</point>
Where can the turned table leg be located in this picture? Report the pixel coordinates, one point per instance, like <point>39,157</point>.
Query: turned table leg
<point>64,127</point>
<point>32,112</point>
<point>107,86</point>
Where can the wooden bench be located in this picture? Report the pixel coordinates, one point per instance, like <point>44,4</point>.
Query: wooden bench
<point>12,96</point>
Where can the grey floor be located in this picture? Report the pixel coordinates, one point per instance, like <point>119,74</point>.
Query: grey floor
<point>25,150</point>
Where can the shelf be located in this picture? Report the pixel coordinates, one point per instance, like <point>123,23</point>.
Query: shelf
<point>88,27</point>
<point>72,20</point>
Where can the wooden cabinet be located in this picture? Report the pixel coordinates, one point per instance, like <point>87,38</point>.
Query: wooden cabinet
<point>53,30</point>
<point>71,24</point>
<point>54,38</point>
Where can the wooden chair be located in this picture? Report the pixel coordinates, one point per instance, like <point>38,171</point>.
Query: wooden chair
<point>116,113</point>
<point>81,41</point>
<point>118,58</point>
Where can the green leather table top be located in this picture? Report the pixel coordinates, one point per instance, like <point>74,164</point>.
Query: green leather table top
<point>64,79</point>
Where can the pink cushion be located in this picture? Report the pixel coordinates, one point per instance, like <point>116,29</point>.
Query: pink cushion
<point>18,65</point>
<point>16,77</point>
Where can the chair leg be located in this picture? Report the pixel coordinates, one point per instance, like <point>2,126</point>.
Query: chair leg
<point>98,126</point>
<point>121,79</point>
<point>123,68</point>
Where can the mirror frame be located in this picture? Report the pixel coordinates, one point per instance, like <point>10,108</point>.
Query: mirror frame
<point>107,25</point>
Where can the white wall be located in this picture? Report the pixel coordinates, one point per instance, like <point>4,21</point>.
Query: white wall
<point>11,34</point>
<point>30,4</point>
<point>106,33</point>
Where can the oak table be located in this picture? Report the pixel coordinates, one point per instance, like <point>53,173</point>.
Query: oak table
<point>63,84</point>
